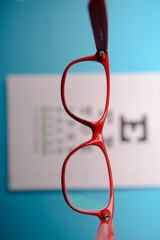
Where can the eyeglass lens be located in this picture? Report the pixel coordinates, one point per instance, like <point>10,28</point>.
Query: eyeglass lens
<point>86,181</point>
<point>85,93</point>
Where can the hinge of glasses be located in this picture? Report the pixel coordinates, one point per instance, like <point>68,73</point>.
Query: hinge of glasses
<point>106,216</point>
<point>101,53</point>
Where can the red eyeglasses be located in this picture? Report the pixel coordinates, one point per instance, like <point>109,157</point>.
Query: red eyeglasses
<point>98,16</point>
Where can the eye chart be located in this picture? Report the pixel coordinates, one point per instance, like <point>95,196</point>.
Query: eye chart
<point>41,134</point>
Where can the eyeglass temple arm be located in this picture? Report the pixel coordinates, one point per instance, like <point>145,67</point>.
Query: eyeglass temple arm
<point>106,231</point>
<point>99,21</point>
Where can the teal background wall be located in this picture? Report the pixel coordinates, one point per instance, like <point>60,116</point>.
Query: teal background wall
<point>43,36</point>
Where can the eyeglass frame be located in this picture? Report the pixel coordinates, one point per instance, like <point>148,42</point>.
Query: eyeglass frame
<point>97,11</point>
<point>97,137</point>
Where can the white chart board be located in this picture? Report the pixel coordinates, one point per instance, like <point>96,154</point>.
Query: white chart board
<point>41,134</point>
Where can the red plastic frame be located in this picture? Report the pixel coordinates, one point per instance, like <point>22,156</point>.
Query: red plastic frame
<point>97,137</point>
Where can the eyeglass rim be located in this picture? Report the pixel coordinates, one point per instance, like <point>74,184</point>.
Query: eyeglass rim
<point>110,206</point>
<point>104,62</point>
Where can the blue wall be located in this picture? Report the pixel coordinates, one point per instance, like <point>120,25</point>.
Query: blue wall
<point>42,36</point>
